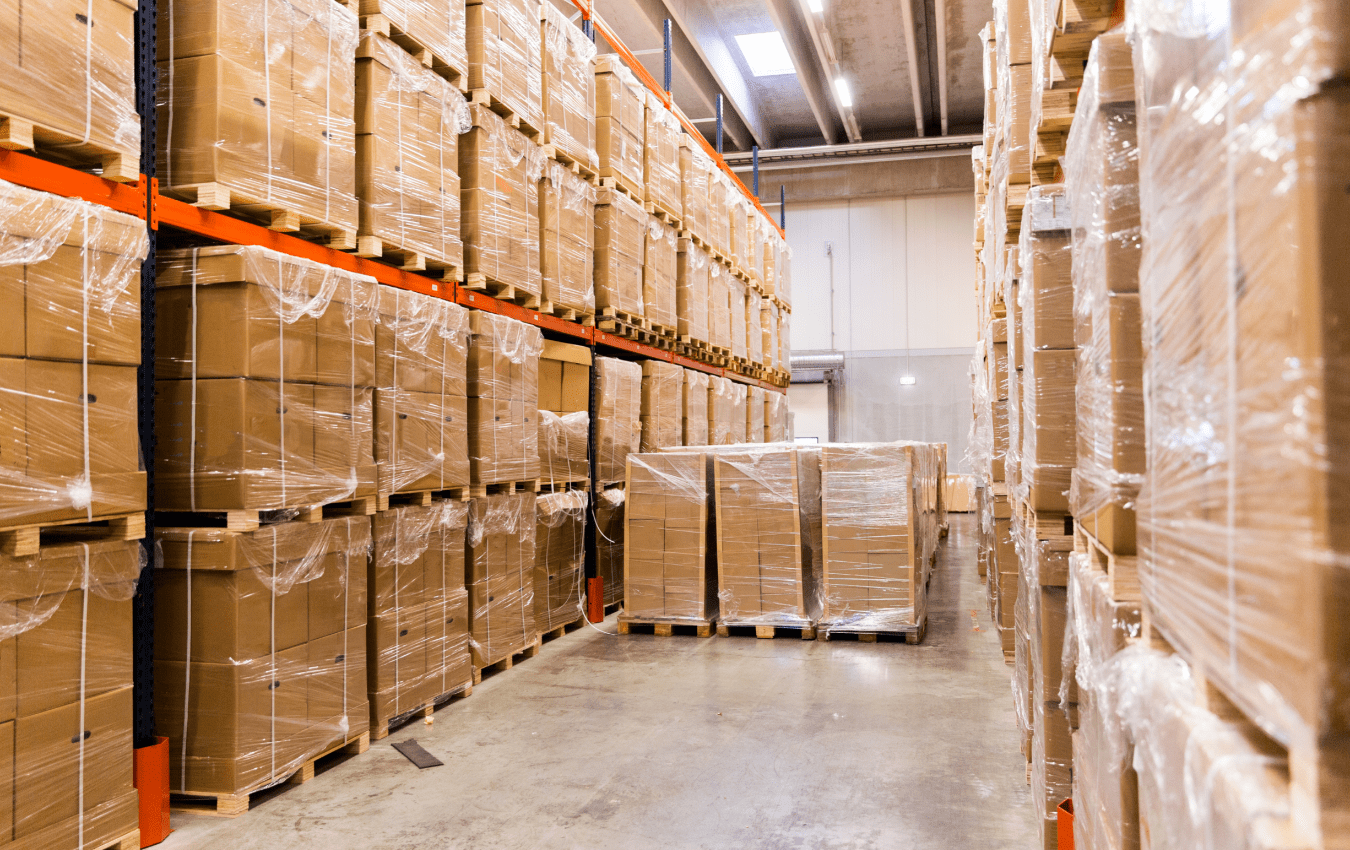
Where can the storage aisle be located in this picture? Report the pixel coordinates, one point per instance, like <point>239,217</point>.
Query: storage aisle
<point>637,741</point>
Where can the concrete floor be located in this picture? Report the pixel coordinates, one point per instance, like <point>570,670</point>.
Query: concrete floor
<point>623,742</point>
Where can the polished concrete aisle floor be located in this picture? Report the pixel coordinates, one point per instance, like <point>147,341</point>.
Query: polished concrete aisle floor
<point>606,742</point>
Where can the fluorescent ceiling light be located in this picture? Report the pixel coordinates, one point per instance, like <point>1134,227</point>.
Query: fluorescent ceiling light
<point>907,380</point>
<point>841,90</point>
<point>766,54</point>
<point>816,6</point>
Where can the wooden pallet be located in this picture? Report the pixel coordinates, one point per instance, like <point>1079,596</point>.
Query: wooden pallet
<point>234,805</point>
<point>617,183</point>
<point>222,198</point>
<point>503,488</point>
<point>582,317</point>
<point>251,520</point>
<point>421,498</point>
<point>480,282</point>
<point>765,632</point>
<point>628,326</point>
<point>612,607</point>
<point>1079,24</point>
<point>911,635</point>
<point>376,248</point>
<point>20,134</point>
<point>457,77</point>
<point>382,730</point>
<point>508,661</point>
<point>485,98</point>
<point>697,239</point>
<point>554,486</point>
<point>565,628</point>
<point>665,628</point>
<point>574,165</point>
<point>1122,571</point>
<point>24,540</point>
<point>664,213</point>
<point>663,330</point>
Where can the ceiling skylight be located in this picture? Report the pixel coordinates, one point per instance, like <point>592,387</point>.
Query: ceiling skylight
<point>766,54</point>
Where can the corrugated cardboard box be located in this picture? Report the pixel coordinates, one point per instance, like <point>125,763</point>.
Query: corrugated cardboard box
<point>618,424</point>
<point>694,407</point>
<point>659,274</point>
<point>692,273</point>
<point>504,56</point>
<point>569,88</point>
<point>754,414</point>
<point>503,380</point>
<point>661,157</point>
<point>670,563</point>
<point>662,394</point>
<point>499,171</point>
<point>719,306</point>
<point>559,558</point>
<point>620,252</point>
<point>696,169</point>
<point>721,412</point>
<point>620,113</point>
<point>567,239</point>
<point>564,377</point>
<point>499,577</point>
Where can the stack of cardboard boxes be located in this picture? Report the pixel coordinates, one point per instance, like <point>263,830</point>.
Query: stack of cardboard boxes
<point>618,423</point>
<point>434,27</point>
<point>503,387</point>
<point>659,276</point>
<point>620,113</point>
<point>500,576</point>
<point>692,301</point>
<point>661,160</point>
<point>505,61</point>
<point>564,418</point>
<point>662,405</point>
<point>620,251</point>
<point>568,62</point>
<point>669,574</point>
<point>499,169</point>
<point>566,241</point>
<point>694,426</point>
<point>559,558</point>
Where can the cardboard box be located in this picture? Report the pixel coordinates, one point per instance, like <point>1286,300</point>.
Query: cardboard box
<point>694,407</point>
<point>719,305</point>
<point>692,275</point>
<point>620,252</point>
<point>559,558</point>
<point>436,25</point>
<point>499,170</point>
<point>618,424</point>
<point>658,273</point>
<point>418,556</point>
<point>568,59</point>
<point>776,418</point>
<point>620,113</point>
<point>504,399</point>
<point>421,343</point>
<point>567,237</point>
<point>662,392</point>
<point>754,414</point>
<point>564,377</point>
<point>499,576</point>
<point>696,170</point>
<point>563,444</point>
<point>420,441</point>
<point>661,157</point>
<point>670,568</point>
<point>504,55</point>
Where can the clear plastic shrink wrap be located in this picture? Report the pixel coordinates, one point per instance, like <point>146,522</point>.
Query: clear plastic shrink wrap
<point>567,239</point>
<point>1102,165</point>
<point>658,273</point>
<point>785,342</point>
<point>719,213</point>
<point>499,171</point>
<point>662,405</point>
<point>1015,82</point>
<point>256,105</point>
<point>980,439</point>
<point>1244,137</point>
<point>618,422</point>
<point>754,333</point>
<point>620,116</point>
<point>71,75</point>
<point>421,409</point>
<point>1045,295</point>
<point>768,333</point>
<point>569,89</point>
<point>620,252</point>
<point>776,427</point>
<point>721,411</point>
<point>768,536</point>
<point>69,347</point>
<point>783,280</point>
<point>504,56</point>
<point>408,124</point>
<point>669,573</point>
<point>417,635</point>
<point>500,576</point>
<point>696,170</point>
<point>753,259</point>
<point>264,365</point>
<point>436,26</point>
<point>878,504</point>
<point>719,305</point>
<point>754,414</point>
<point>562,446</point>
<point>694,407</point>
<point>737,303</point>
<point>559,558</point>
<point>503,390</point>
<point>769,259</point>
<point>693,269</point>
<point>661,158</point>
<point>66,636</point>
<point>260,649</point>
<point>740,394</point>
<point>738,226</point>
<point>609,518</point>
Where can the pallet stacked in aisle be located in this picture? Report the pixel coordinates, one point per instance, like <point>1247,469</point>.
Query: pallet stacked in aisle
<point>663,196</point>
<point>1059,53</point>
<point>694,407</point>
<point>260,653</point>
<point>620,115</point>
<point>66,734</point>
<point>569,105</point>
<point>505,63</point>
<point>70,289</point>
<point>559,561</point>
<point>417,638</point>
<point>620,255</point>
<point>659,261</point>
<point>420,399</point>
<point>503,390</point>
<point>1242,286</point>
<point>617,429</point>
<point>87,120</point>
<point>879,538</point>
<point>669,578</point>
<point>567,245</point>
<point>431,31</point>
<point>693,272</point>
<point>564,415</point>
<point>278,414</point>
<point>408,124</point>
<point>256,106</point>
<point>768,540</point>
<point>662,405</point>
<point>610,504</point>
<point>500,578</point>
<point>499,169</point>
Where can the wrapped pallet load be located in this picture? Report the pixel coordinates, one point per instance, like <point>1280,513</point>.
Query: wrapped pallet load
<point>609,522</point>
<point>505,68</point>
<point>68,727</point>
<point>658,276</point>
<point>503,390</point>
<point>280,677</point>
<point>661,160</point>
<point>719,214</point>
<point>737,304</point>
<point>754,414</point>
<point>435,27</point>
<point>768,331</point>
<point>695,408</point>
<point>670,574</point>
<point>564,418</point>
<point>569,91</point>
<point>740,398</point>
<point>566,243</point>
<point>69,283</point>
<point>620,113</point>
<point>719,307</point>
<point>721,411</point>
<point>499,575</point>
<point>754,332</point>
<point>559,559</point>
<point>692,275</point>
<point>620,252</point>
<point>776,429</point>
<point>256,107</point>
<point>421,407</point>
<point>696,170</point>
<point>279,412</point>
<point>499,170</point>
<point>418,629</point>
<point>618,423</point>
<point>662,403</point>
<point>408,124</point>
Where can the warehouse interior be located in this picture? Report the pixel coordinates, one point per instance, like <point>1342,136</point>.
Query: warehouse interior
<point>688,423</point>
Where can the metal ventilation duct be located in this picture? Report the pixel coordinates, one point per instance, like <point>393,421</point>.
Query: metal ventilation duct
<point>816,362</point>
<point>932,146</point>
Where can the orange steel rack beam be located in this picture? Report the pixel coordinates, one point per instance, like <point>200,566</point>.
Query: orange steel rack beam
<point>34,173</point>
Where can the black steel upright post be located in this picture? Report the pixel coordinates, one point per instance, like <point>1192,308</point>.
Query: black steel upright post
<point>782,208</point>
<point>754,166</point>
<point>143,606</point>
<point>667,52</point>
<point>588,29</point>
<point>719,123</point>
